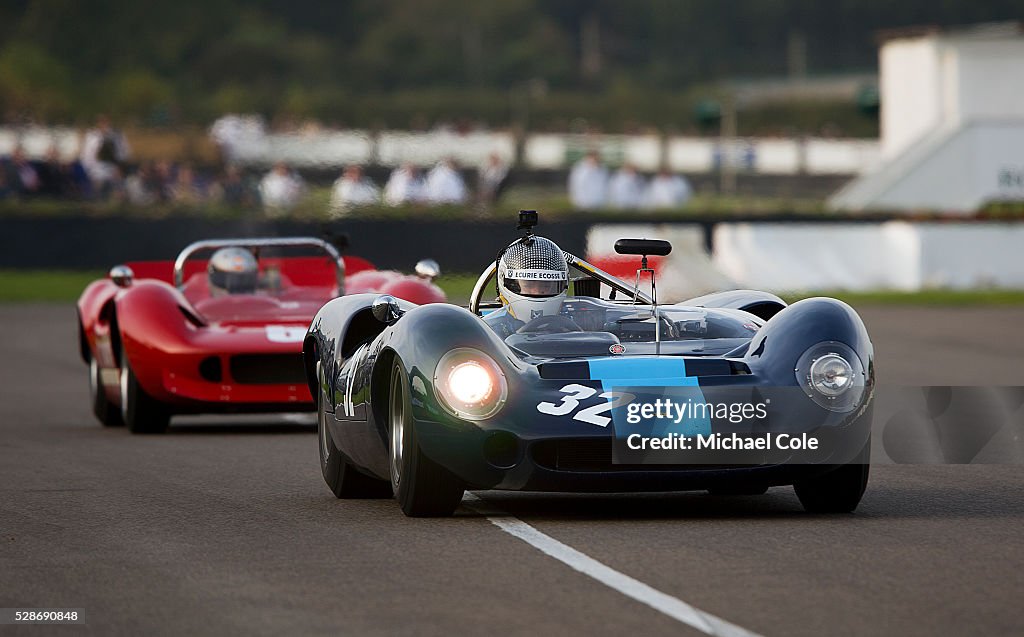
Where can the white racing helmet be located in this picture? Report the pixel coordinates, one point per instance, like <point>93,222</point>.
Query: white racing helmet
<point>233,271</point>
<point>533,277</point>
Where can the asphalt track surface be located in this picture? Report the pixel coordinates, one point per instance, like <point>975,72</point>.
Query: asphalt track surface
<point>224,526</point>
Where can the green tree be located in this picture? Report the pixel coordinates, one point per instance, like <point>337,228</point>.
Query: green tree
<point>33,82</point>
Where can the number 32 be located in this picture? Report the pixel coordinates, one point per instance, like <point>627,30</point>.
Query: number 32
<point>592,415</point>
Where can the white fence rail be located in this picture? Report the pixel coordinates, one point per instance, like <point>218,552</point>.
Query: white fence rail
<point>540,151</point>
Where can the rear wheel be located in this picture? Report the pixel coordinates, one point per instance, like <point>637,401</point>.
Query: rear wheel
<point>142,413</point>
<point>422,487</point>
<point>839,490</point>
<point>108,414</point>
<point>344,480</point>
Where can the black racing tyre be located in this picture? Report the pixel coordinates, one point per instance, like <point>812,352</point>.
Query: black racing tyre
<point>344,480</point>
<point>839,490</point>
<point>142,413</point>
<point>744,489</point>
<point>422,487</point>
<point>107,413</point>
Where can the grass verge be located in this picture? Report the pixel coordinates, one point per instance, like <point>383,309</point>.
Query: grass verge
<point>17,286</point>
<point>944,298</point>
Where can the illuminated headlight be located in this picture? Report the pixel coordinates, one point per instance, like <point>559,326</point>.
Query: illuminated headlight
<point>832,375</point>
<point>469,384</point>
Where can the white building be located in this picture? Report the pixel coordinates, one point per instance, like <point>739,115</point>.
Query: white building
<point>952,122</point>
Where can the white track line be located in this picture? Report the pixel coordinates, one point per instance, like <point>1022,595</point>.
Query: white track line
<point>672,606</point>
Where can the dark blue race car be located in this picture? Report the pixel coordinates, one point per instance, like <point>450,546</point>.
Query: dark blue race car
<point>600,390</point>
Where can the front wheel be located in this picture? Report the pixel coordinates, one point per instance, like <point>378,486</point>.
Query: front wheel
<point>108,414</point>
<point>422,487</point>
<point>839,490</point>
<point>142,413</point>
<point>344,480</point>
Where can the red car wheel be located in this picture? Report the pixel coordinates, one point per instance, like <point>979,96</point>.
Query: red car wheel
<point>140,412</point>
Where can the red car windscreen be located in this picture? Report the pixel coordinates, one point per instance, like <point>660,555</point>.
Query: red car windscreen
<point>315,271</point>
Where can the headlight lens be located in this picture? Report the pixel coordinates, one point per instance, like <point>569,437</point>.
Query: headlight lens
<point>469,384</point>
<point>832,375</point>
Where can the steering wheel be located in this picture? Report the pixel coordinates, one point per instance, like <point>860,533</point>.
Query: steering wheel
<point>550,324</point>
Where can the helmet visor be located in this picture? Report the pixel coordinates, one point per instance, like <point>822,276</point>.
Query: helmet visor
<point>235,282</point>
<point>536,283</point>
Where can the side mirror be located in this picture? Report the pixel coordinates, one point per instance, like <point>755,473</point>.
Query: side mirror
<point>428,269</point>
<point>654,247</point>
<point>385,309</point>
<point>644,247</point>
<point>121,275</point>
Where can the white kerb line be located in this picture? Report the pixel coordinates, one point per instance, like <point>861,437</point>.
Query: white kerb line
<point>635,589</point>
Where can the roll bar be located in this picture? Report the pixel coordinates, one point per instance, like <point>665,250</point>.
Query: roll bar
<point>283,242</point>
<point>573,260</point>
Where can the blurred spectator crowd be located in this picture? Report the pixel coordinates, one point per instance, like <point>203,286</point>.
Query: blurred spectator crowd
<point>408,185</point>
<point>591,186</point>
<point>102,172</point>
<point>442,185</point>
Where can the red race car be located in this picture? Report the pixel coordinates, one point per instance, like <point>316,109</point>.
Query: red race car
<point>220,328</point>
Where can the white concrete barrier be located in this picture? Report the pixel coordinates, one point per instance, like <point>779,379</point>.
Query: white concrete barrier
<point>972,255</point>
<point>806,257</point>
<point>683,274</point>
<point>895,255</point>
<point>816,256</point>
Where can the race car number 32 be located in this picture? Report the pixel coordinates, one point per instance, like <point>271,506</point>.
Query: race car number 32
<point>575,393</point>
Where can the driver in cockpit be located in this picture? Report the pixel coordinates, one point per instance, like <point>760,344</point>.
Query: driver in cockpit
<point>233,271</point>
<point>533,280</point>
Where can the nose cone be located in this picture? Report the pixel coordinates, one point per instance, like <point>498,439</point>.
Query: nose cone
<point>368,281</point>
